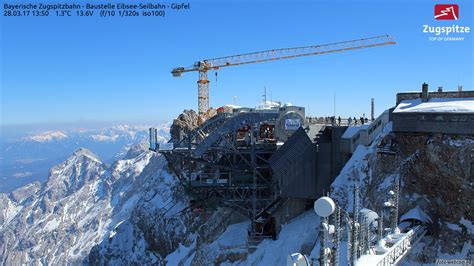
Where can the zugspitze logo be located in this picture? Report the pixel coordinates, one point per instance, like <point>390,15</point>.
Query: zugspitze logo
<point>446,12</point>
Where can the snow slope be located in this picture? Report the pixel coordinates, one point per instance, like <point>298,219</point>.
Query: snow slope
<point>83,200</point>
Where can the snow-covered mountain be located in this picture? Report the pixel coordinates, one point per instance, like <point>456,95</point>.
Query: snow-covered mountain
<point>80,205</point>
<point>47,136</point>
<point>135,212</point>
<point>28,158</point>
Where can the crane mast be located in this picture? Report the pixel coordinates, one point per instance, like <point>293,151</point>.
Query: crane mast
<point>205,65</point>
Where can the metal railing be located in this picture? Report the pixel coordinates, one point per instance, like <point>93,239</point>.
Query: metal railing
<point>402,246</point>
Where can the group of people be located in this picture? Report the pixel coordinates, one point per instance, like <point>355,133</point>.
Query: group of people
<point>361,121</point>
<point>332,120</point>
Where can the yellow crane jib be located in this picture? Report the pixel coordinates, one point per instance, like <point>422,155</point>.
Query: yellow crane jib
<point>270,55</point>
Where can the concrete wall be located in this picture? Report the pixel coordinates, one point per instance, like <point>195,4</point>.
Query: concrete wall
<point>447,94</point>
<point>448,123</point>
<point>329,158</point>
<point>293,166</point>
<point>365,136</point>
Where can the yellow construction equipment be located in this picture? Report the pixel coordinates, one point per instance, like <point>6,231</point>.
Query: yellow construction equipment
<point>203,66</point>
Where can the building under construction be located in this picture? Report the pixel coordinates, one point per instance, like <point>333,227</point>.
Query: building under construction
<point>268,164</point>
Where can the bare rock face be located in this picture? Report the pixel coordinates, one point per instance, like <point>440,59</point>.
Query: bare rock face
<point>435,173</point>
<point>185,123</point>
<point>438,178</point>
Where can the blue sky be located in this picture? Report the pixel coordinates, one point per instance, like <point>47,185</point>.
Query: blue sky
<point>57,70</point>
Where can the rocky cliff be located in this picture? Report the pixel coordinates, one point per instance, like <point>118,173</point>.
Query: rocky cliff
<point>435,173</point>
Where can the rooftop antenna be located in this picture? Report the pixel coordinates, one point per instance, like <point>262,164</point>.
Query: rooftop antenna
<point>368,236</point>
<point>394,224</point>
<point>349,238</point>
<point>355,224</point>
<point>372,109</point>
<point>264,95</point>
<point>380,229</point>
<point>337,241</point>
<point>324,207</point>
<point>362,236</point>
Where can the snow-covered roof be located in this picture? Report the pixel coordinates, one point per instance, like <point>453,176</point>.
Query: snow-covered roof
<point>232,106</point>
<point>352,130</point>
<point>436,105</point>
<point>416,214</point>
<point>268,105</point>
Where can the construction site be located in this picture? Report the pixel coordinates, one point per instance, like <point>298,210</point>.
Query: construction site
<point>271,162</point>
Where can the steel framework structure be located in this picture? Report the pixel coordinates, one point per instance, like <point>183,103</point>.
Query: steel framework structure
<point>232,173</point>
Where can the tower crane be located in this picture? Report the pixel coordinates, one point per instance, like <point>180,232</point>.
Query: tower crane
<point>203,66</point>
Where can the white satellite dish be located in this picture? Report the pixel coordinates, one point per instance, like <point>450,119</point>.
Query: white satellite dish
<point>324,206</point>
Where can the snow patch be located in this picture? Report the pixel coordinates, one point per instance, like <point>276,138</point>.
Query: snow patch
<point>105,138</point>
<point>48,136</point>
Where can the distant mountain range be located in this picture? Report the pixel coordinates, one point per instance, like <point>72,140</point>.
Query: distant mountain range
<point>28,158</point>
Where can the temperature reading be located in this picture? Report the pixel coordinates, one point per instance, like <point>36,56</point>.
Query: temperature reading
<point>63,13</point>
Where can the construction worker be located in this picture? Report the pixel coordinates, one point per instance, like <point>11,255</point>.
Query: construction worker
<point>349,120</point>
<point>247,138</point>
<point>339,121</point>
